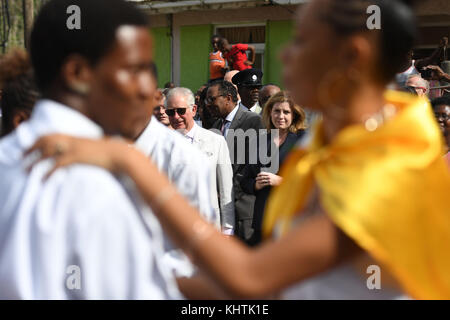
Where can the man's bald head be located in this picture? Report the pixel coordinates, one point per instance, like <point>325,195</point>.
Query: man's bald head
<point>266,92</point>
<point>228,76</point>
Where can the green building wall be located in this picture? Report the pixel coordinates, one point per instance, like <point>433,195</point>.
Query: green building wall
<point>162,54</point>
<point>278,34</point>
<point>195,46</point>
<point>194,49</point>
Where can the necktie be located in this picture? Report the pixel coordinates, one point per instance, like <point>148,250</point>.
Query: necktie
<point>224,126</point>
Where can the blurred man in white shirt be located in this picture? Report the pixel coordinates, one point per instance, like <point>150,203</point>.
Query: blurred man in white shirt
<point>80,234</point>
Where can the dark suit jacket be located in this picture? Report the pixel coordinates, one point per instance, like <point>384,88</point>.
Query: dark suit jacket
<point>252,170</point>
<point>245,120</point>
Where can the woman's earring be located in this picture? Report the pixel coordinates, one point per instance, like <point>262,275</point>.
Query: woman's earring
<point>80,88</point>
<point>324,88</point>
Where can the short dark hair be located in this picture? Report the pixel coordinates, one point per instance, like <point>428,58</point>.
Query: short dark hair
<point>52,41</point>
<point>397,35</point>
<point>225,88</point>
<point>444,100</point>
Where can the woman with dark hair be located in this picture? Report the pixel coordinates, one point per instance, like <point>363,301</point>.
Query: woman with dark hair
<point>19,92</point>
<point>285,123</point>
<point>368,195</point>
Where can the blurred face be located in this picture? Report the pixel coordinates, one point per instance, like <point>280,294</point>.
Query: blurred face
<point>122,86</point>
<point>160,111</point>
<point>218,105</point>
<point>249,95</point>
<point>181,115</point>
<point>266,93</point>
<point>198,94</point>
<point>418,86</point>
<point>442,114</point>
<point>223,46</point>
<point>408,60</point>
<point>281,115</point>
<point>215,43</point>
<point>310,57</point>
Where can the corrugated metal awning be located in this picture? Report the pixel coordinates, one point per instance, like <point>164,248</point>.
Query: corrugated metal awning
<point>175,6</point>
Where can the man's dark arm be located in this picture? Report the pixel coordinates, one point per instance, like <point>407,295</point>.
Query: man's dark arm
<point>434,58</point>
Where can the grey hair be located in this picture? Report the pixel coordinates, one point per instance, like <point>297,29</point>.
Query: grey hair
<point>424,82</point>
<point>184,92</point>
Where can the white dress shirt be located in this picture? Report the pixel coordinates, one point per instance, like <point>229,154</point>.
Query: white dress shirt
<point>230,118</point>
<point>188,169</point>
<point>78,234</point>
<point>191,133</point>
<point>256,108</point>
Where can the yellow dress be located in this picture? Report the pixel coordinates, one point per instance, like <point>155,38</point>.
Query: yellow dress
<point>388,190</point>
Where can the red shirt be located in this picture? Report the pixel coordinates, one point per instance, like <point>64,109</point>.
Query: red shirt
<point>238,56</point>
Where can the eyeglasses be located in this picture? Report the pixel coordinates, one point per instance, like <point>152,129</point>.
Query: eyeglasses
<point>180,111</point>
<point>422,88</point>
<point>211,100</point>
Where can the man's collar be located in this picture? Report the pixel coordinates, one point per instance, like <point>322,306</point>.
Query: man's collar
<point>54,116</point>
<point>150,134</point>
<point>191,133</point>
<point>232,114</point>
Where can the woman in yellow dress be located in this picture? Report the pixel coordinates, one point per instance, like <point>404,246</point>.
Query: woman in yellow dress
<point>371,185</point>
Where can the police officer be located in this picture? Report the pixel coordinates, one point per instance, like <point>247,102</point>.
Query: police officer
<point>248,83</point>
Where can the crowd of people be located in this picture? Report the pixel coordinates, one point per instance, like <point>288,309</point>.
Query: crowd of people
<point>243,189</point>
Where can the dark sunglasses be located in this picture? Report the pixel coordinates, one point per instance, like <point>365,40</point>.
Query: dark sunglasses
<point>180,111</point>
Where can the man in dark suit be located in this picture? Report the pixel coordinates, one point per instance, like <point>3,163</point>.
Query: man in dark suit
<point>238,125</point>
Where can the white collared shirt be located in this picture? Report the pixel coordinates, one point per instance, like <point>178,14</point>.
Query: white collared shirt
<point>78,234</point>
<point>191,133</point>
<point>188,169</point>
<point>256,108</point>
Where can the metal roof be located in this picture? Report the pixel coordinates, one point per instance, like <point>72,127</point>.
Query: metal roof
<point>174,6</point>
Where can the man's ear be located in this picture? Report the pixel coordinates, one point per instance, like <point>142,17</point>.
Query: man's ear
<point>19,117</point>
<point>76,74</point>
<point>194,110</point>
<point>357,54</point>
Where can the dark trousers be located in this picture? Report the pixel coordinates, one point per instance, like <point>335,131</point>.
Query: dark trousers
<point>244,231</point>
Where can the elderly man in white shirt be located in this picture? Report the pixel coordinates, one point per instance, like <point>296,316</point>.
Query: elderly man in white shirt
<point>181,109</point>
<point>82,233</point>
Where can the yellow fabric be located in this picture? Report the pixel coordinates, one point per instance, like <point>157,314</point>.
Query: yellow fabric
<point>388,190</point>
